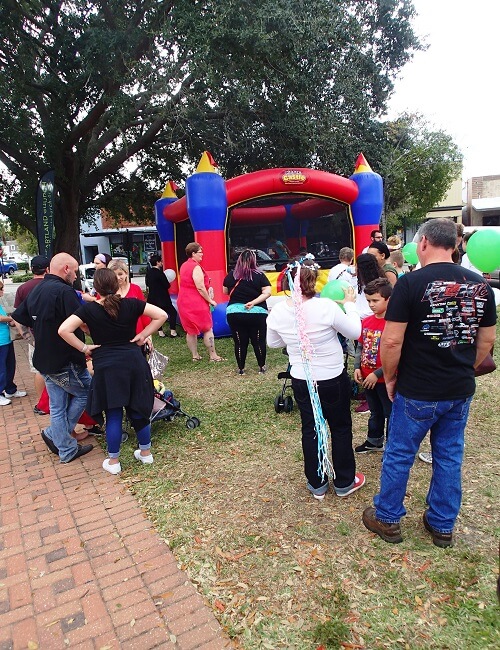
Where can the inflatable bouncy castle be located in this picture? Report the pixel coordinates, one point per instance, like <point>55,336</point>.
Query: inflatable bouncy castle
<point>293,199</point>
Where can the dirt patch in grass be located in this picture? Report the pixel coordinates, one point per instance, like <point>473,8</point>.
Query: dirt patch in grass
<point>282,570</point>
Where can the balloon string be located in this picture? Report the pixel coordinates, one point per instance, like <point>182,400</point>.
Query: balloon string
<point>325,467</point>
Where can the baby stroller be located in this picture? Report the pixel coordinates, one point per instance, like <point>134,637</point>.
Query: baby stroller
<point>166,407</point>
<point>284,402</point>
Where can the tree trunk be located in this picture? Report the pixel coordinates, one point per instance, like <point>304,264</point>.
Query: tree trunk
<point>67,224</point>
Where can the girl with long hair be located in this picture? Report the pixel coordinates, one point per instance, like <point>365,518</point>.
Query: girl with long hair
<point>309,326</point>
<point>248,289</point>
<point>122,378</point>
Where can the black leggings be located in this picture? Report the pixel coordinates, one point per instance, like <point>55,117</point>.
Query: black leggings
<point>172,315</point>
<point>247,328</point>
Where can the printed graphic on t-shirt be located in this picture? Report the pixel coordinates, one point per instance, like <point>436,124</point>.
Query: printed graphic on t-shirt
<point>455,309</point>
<point>371,343</point>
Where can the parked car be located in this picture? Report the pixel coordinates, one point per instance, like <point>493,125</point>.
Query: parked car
<point>264,262</point>
<point>7,267</point>
<point>87,277</point>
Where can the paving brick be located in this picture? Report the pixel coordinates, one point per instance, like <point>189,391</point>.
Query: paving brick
<point>72,622</point>
<point>155,638</point>
<point>20,595</point>
<point>87,632</point>
<point>108,640</point>
<point>168,583</point>
<point>193,638</point>
<point>125,615</point>
<point>118,577</point>
<point>114,591</point>
<point>18,614</point>
<point>16,564</point>
<point>137,626</point>
<point>82,572</point>
<point>63,585</point>
<point>190,621</point>
<point>58,554</point>
<point>48,531</point>
<point>44,599</point>
<point>24,632</point>
<point>94,607</point>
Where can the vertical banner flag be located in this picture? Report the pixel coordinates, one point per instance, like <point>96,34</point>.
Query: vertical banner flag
<point>45,213</point>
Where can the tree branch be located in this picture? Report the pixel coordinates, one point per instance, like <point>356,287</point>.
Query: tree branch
<point>116,161</point>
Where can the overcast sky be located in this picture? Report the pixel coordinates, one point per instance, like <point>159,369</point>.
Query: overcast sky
<point>455,84</point>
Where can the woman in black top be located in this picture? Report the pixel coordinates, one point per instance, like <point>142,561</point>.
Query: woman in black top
<point>248,289</point>
<point>122,378</point>
<point>158,295</point>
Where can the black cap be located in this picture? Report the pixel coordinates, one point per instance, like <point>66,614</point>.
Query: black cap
<point>39,262</point>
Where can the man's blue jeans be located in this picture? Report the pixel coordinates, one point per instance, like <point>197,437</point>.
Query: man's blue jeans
<point>409,423</point>
<point>67,391</point>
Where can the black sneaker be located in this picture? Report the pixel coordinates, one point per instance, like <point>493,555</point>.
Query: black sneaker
<point>38,411</point>
<point>367,447</point>
<point>96,430</point>
<point>81,451</point>
<point>49,443</point>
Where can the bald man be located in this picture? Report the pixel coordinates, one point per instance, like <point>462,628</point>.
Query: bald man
<point>63,368</point>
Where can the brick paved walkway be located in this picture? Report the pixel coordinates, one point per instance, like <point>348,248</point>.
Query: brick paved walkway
<point>80,564</point>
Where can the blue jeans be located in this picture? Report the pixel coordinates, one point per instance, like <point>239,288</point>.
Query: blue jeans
<point>409,423</point>
<point>67,391</point>
<point>114,418</point>
<point>7,368</point>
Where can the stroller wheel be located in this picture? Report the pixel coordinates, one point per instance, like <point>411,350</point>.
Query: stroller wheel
<point>278,404</point>
<point>288,404</point>
<point>196,421</point>
<point>192,423</point>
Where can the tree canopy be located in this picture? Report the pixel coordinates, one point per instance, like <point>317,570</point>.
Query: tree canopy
<point>418,165</point>
<point>118,96</point>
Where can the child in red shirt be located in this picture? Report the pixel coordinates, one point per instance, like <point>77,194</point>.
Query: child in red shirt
<point>368,366</point>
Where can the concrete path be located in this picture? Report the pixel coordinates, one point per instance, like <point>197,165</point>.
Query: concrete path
<point>81,566</point>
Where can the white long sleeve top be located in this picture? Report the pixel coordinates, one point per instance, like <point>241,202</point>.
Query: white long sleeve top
<point>324,320</point>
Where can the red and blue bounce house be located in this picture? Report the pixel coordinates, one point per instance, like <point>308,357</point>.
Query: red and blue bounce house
<point>291,197</point>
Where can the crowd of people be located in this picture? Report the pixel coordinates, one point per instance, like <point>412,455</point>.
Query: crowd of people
<point>418,337</point>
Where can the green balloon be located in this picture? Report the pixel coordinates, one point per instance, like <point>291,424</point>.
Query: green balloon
<point>483,250</point>
<point>335,290</point>
<point>409,251</point>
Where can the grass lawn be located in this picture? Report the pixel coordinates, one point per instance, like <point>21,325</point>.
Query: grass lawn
<point>282,570</point>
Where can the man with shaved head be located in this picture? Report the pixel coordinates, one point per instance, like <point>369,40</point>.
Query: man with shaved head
<point>63,368</point>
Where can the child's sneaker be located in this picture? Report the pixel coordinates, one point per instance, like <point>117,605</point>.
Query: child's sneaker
<point>359,481</point>
<point>367,447</point>
<point>4,401</point>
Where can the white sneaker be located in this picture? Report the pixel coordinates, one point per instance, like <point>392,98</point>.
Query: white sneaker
<point>18,393</point>
<point>4,401</point>
<point>147,460</point>
<point>116,468</point>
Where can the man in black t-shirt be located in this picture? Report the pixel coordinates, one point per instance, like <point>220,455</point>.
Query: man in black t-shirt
<point>63,368</point>
<point>440,326</point>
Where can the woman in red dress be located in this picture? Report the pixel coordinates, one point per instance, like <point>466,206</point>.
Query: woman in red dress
<point>194,302</point>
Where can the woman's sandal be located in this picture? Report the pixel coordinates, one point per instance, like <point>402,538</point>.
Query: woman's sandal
<point>197,358</point>
<point>218,359</point>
